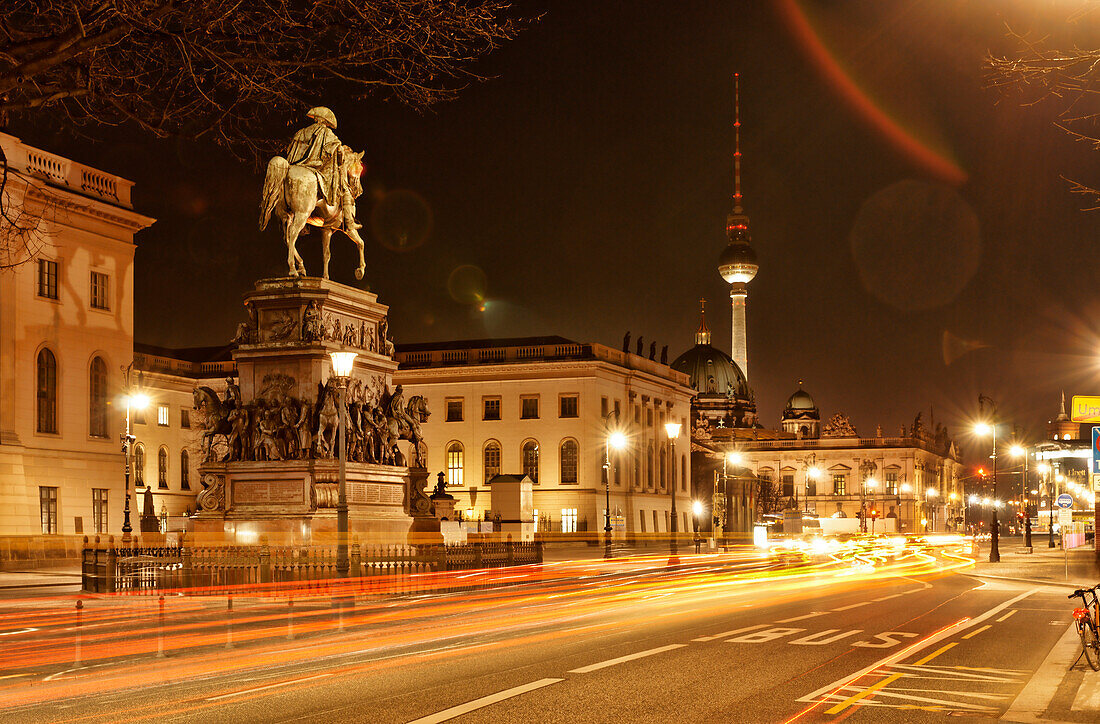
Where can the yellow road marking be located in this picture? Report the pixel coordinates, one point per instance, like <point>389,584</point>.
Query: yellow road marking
<point>885,682</point>
<point>1002,618</point>
<point>977,631</point>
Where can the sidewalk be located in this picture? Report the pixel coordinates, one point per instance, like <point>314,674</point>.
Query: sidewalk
<point>54,580</point>
<point>1043,565</point>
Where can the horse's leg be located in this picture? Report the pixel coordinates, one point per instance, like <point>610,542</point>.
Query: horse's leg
<point>353,234</point>
<point>294,225</point>
<point>326,239</point>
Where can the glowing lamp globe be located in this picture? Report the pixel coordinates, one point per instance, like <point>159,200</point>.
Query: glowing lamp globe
<point>139,401</point>
<point>697,508</point>
<point>342,363</point>
<point>672,429</point>
<point>617,440</point>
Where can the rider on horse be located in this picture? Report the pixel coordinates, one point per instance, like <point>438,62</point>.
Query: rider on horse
<point>317,148</point>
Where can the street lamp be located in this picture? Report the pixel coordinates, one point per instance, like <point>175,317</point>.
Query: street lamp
<point>135,399</point>
<point>672,429</point>
<point>342,365</point>
<point>990,428</point>
<point>615,440</point>
<point>1019,451</point>
<point>696,513</point>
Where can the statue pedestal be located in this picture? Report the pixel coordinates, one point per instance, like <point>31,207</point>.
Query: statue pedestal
<point>425,529</point>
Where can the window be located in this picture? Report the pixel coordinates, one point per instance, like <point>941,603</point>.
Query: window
<point>162,467</point>
<point>649,418</point>
<point>454,463</point>
<point>788,486</point>
<point>47,278</point>
<point>47,391</point>
<point>656,523</point>
<point>185,418</point>
<point>683,472</point>
<point>491,456</point>
<point>891,482</point>
<point>97,398</point>
<point>569,461</point>
<point>568,405</point>
<point>811,485</point>
<point>663,470</point>
<point>603,407</point>
<point>641,518</point>
<point>529,408</point>
<point>490,408</point>
<point>185,470</point>
<point>138,415</point>
<point>99,290</point>
<point>531,460</point>
<point>840,482</point>
<point>99,509</point>
<point>568,520</point>
<point>47,501</point>
<point>649,460</point>
<point>139,464</point>
<point>454,410</point>
<point>162,415</point>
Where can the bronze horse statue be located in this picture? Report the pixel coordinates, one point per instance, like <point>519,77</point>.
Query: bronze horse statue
<point>404,424</point>
<point>216,418</point>
<point>292,193</point>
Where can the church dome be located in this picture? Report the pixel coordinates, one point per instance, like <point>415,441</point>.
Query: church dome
<point>711,371</point>
<point>801,405</point>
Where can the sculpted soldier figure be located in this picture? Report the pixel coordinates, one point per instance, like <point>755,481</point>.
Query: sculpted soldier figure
<point>312,326</point>
<point>232,394</point>
<point>316,147</point>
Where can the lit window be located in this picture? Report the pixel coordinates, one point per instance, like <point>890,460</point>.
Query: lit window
<point>454,410</point>
<point>568,405</point>
<point>162,415</point>
<point>100,282</point>
<point>568,520</point>
<point>97,398</point>
<point>529,408</point>
<point>840,483</point>
<point>47,391</point>
<point>569,461</point>
<point>99,509</point>
<point>47,504</point>
<point>891,482</point>
<point>162,467</point>
<point>491,408</point>
<point>531,460</point>
<point>139,464</point>
<point>47,278</point>
<point>492,460</point>
<point>454,464</point>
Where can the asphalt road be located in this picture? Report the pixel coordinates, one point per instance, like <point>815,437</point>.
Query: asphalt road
<point>704,643</point>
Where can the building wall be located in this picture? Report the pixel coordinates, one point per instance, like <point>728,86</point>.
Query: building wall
<point>646,393</point>
<point>87,225</point>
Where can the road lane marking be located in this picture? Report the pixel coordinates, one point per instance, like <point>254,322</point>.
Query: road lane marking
<point>1040,689</point>
<point>731,633</point>
<point>624,659</point>
<point>887,598</point>
<point>917,646</point>
<point>456,711</point>
<point>761,637</point>
<point>854,605</point>
<point>977,631</point>
<point>1002,618</point>
<point>935,653</point>
<point>800,618</point>
<point>866,692</point>
<point>815,639</point>
<point>269,686</point>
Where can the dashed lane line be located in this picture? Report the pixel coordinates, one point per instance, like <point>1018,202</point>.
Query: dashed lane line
<point>624,659</point>
<point>456,711</point>
<point>977,631</point>
<point>1002,618</point>
<point>854,605</point>
<point>801,618</point>
<point>263,688</point>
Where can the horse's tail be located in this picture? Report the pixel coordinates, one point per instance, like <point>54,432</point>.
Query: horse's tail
<point>277,169</point>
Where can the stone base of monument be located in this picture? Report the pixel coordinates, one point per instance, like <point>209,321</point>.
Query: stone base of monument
<point>294,503</point>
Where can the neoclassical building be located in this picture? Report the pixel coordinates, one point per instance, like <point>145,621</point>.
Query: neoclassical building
<point>544,407</point>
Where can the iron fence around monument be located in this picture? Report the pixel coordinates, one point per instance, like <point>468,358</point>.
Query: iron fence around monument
<point>110,567</point>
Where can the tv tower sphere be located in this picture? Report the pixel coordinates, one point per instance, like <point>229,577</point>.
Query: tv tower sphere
<point>737,264</point>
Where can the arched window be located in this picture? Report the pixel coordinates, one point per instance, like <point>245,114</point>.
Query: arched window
<point>162,467</point>
<point>139,464</point>
<point>454,463</point>
<point>531,460</point>
<point>569,455</point>
<point>649,466</point>
<point>185,470</point>
<point>47,391</point>
<point>663,469</point>
<point>491,460</point>
<point>97,398</point>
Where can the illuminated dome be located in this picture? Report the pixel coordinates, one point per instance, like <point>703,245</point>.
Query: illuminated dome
<point>800,404</point>
<point>712,372</point>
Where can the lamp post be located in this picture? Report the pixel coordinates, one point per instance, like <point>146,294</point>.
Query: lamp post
<point>718,506</point>
<point>672,429</point>
<point>696,512</point>
<point>990,428</point>
<point>1044,470</point>
<point>930,495</point>
<point>615,440</point>
<point>135,399</point>
<point>871,484</point>
<point>342,365</point>
<point>1020,451</point>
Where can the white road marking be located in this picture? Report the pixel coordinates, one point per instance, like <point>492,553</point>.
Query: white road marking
<point>761,637</point>
<point>887,598</point>
<point>1002,618</point>
<point>269,686</point>
<point>624,659</point>
<point>1088,695</point>
<point>800,618</point>
<point>815,639</point>
<point>1039,691</point>
<point>731,633</point>
<point>854,605</point>
<point>456,711</point>
<point>919,646</point>
<point>20,631</point>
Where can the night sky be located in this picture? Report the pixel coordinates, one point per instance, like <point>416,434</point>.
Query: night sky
<point>587,185</point>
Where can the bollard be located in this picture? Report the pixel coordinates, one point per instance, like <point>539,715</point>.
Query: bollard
<point>290,617</point>
<point>79,612</point>
<point>160,630</point>
<point>229,622</point>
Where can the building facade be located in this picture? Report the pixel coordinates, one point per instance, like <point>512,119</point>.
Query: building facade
<point>545,407</point>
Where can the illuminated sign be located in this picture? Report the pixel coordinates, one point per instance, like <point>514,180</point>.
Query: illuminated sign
<point>1095,449</point>
<point>1085,409</point>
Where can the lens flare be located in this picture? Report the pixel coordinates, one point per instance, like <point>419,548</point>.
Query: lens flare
<point>401,220</point>
<point>467,284</point>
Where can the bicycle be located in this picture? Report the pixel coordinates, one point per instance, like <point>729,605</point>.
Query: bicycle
<point>1085,619</point>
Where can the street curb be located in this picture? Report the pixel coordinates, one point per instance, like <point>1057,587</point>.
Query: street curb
<point>1035,581</point>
